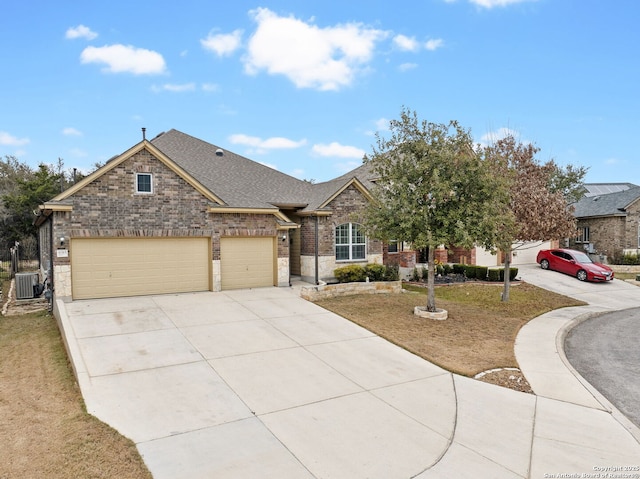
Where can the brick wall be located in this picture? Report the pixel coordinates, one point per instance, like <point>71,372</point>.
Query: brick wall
<point>109,207</point>
<point>631,226</point>
<point>606,234</point>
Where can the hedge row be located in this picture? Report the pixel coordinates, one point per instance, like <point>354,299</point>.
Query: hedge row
<point>354,273</point>
<point>483,273</point>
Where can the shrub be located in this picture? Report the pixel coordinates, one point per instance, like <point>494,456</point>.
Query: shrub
<point>354,273</point>
<point>458,268</point>
<point>375,272</point>
<point>630,259</point>
<point>470,271</point>
<point>439,270</point>
<point>415,276</point>
<point>350,274</point>
<point>481,272</point>
<point>513,272</point>
<point>494,274</point>
<point>424,272</point>
<point>392,273</point>
<point>448,269</point>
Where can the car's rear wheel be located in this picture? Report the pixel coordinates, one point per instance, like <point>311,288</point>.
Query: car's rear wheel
<point>544,264</point>
<point>581,275</point>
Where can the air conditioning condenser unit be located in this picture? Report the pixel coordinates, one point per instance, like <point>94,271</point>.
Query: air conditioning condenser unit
<point>24,285</point>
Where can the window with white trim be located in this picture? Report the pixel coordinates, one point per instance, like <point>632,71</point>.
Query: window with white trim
<point>351,242</point>
<point>144,183</point>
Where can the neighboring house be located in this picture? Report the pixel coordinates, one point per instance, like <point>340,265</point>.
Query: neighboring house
<point>608,220</point>
<point>407,258</point>
<point>178,214</point>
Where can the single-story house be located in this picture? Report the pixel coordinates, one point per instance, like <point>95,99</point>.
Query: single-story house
<point>178,214</point>
<point>608,220</point>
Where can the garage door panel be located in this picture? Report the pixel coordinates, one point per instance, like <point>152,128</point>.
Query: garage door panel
<point>111,267</point>
<point>247,262</point>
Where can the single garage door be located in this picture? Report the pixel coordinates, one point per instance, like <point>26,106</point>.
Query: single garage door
<point>110,267</point>
<point>247,262</point>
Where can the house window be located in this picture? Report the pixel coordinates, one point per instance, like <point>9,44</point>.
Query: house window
<point>350,242</point>
<point>395,246</point>
<point>583,235</point>
<point>144,183</point>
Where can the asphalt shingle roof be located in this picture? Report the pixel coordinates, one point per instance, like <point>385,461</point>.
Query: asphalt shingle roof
<point>236,180</point>
<point>606,205</point>
<point>244,183</point>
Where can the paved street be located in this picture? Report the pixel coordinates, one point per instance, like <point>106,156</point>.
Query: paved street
<point>605,350</point>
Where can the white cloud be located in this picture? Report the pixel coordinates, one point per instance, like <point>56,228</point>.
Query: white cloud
<point>311,57</point>
<point>497,3</point>
<point>335,149</point>
<point>222,43</point>
<point>382,124</point>
<point>260,145</point>
<point>7,139</point>
<point>499,134</point>
<point>210,87</point>
<point>434,44</point>
<point>174,88</point>
<point>405,43</point>
<point>71,132</point>
<point>405,67</point>
<point>80,32</point>
<point>125,59</point>
<point>611,161</point>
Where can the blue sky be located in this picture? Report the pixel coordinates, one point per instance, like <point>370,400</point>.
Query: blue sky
<point>303,86</point>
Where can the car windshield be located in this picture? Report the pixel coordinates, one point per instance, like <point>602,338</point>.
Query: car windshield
<point>582,258</point>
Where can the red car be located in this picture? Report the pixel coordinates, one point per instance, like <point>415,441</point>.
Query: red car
<point>575,263</point>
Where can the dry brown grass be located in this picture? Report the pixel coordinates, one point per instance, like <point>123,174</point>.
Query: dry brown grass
<point>44,428</point>
<point>478,335</point>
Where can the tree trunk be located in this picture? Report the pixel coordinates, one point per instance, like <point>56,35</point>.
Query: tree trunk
<point>507,274</point>
<point>431,270</point>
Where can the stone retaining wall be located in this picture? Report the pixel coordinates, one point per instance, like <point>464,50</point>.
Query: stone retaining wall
<point>315,293</point>
<point>625,268</point>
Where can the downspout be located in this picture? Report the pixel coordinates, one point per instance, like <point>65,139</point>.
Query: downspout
<point>316,250</point>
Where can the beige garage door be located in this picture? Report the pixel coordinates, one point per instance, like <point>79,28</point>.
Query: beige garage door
<point>247,262</point>
<point>110,267</point>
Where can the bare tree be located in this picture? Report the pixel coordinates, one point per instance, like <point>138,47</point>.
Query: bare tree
<point>540,198</point>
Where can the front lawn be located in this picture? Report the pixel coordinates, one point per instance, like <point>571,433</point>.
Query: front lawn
<point>478,335</point>
<point>45,431</point>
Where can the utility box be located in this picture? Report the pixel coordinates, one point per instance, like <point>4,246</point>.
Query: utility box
<point>24,285</point>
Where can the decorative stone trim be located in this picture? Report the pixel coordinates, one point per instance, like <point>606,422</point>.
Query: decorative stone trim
<point>324,291</point>
<point>438,314</point>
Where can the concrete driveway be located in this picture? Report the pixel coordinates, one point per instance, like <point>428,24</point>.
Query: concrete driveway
<point>260,383</point>
<point>257,383</point>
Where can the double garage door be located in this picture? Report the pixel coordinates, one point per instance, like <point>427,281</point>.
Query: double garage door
<point>112,267</point>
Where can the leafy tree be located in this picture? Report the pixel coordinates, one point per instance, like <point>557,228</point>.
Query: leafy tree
<point>433,188</point>
<point>31,189</point>
<point>540,197</point>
